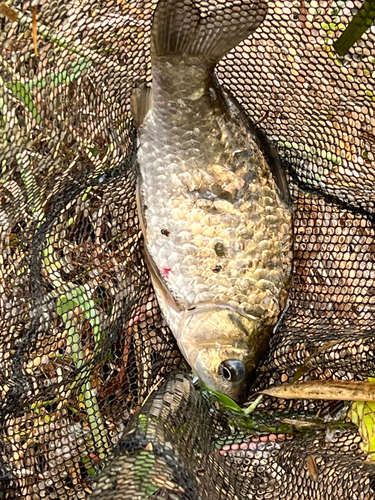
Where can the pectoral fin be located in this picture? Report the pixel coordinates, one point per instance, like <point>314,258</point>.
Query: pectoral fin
<point>140,103</point>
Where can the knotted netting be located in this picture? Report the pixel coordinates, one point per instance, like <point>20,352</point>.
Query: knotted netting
<point>83,343</point>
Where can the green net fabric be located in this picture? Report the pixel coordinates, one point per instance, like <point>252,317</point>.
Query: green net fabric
<point>82,341</point>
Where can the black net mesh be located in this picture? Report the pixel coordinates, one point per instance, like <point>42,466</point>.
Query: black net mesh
<point>82,340</point>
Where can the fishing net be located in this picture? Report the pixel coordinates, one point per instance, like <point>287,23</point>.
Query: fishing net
<point>95,399</point>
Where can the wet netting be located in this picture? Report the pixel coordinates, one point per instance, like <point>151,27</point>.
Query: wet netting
<point>95,399</point>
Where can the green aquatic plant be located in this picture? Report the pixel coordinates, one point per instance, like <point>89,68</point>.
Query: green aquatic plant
<point>360,23</point>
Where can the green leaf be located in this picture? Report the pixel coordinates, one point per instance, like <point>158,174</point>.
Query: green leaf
<point>360,23</point>
<point>21,92</point>
<point>80,297</point>
<point>62,77</point>
<point>226,401</point>
<point>362,414</point>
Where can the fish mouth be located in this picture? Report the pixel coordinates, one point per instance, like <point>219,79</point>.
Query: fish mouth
<point>241,397</point>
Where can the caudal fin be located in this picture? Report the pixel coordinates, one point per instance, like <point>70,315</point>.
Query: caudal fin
<point>179,27</point>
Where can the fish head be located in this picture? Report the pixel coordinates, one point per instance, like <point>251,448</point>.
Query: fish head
<point>223,347</point>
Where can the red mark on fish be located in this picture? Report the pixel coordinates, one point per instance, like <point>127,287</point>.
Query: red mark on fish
<point>166,271</point>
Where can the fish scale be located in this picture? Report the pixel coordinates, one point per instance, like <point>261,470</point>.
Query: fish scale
<point>215,215</point>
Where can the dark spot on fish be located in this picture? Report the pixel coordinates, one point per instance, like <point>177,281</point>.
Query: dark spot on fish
<point>205,195</point>
<point>219,192</point>
<point>220,249</point>
<point>217,268</point>
<point>236,320</point>
<point>165,232</point>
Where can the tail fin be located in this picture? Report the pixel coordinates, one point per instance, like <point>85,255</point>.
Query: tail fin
<point>179,27</point>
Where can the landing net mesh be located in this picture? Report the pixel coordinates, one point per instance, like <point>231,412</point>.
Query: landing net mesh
<point>82,341</point>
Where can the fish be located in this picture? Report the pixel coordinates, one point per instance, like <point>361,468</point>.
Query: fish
<point>212,196</point>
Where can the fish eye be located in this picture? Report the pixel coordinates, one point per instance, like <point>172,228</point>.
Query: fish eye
<point>232,370</point>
